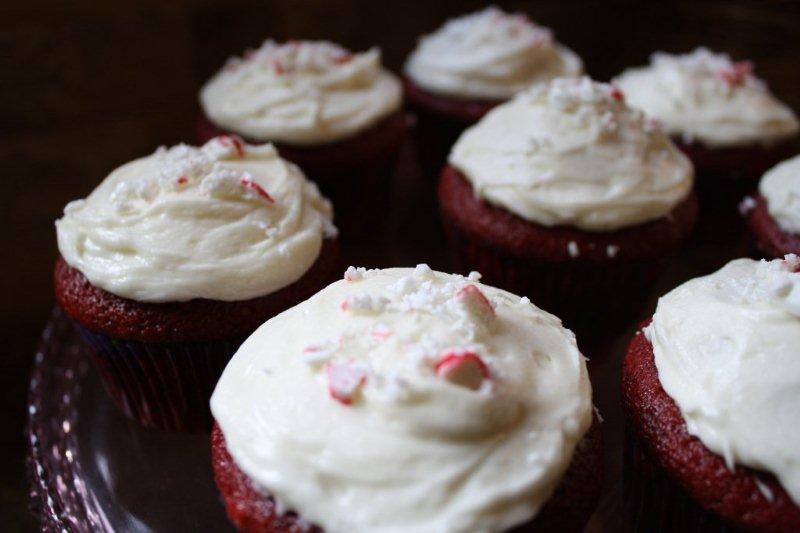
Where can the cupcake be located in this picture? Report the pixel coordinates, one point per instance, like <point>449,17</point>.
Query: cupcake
<point>773,215</point>
<point>458,73</point>
<point>568,196</point>
<point>407,400</point>
<point>335,113</point>
<point>175,258</point>
<point>710,388</point>
<point>718,112</point>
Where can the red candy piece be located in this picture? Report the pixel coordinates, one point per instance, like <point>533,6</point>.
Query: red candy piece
<point>344,381</point>
<point>476,301</point>
<point>343,58</point>
<point>233,140</point>
<point>736,74</point>
<point>463,368</point>
<point>617,94</point>
<point>278,67</point>
<point>253,186</point>
<point>182,180</point>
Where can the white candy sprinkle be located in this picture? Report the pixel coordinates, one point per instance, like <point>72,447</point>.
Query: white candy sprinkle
<point>572,249</point>
<point>612,250</point>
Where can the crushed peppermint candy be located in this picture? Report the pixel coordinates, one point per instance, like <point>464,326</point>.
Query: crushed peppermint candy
<point>747,204</point>
<point>248,183</point>
<point>345,380</point>
<point>612,250</point>
<point>475,303</point>
<point>364,304</point>
<point>464,368</point>
<point>354,274</point>
<point>573,250</point>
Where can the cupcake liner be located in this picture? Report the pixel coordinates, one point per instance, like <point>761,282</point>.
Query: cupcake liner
<point>164,386</point>
<point>584,295</point>
<point>654,503</point>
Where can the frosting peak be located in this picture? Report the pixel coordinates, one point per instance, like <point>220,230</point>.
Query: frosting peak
<point>426,401</point>
<point>489,54</point>
<point>226,221</point>
<point>725,346</point>
<point>707,97</point>
<point>571,152</point>
<point>301,92</point>
<point>780,187</point>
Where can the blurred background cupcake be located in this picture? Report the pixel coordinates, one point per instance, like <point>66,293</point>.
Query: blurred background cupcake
<point>773,214</point>
<point>456,74</point>
<point>568,196</point>
<point>176,257</point>
<point>408,400</point>
<point>710,388</point>
<point>723,116</point>
<point>337,114</point>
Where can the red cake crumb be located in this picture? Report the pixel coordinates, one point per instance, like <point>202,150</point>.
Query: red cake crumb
<point>193,320</point>
<point>521,238</point>
<point>567,510</point>
<point>769,236</point>
<point>657,420</point>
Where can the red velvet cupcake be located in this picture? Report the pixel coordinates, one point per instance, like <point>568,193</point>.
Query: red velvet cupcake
<point>709,388</point>
<point>176,257</point>
<point>374,415</point>
<point>720,114</point>
<point>773,215</point>
<point>471,64</point>
<point>335,113</point>
<point>568,196</point>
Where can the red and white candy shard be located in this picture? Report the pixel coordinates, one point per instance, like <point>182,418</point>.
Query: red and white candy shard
<point>475,303</point>
<point>251,185</point>
<point>233,142</point>
<point>345,380</point>
<point>464,368</point>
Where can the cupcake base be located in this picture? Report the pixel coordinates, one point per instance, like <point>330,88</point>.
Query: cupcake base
<point>439,122</point>
<point>567,510</point>
<point>160,362</point>
<point>769,238</point>
<point>726,175</point>
<point>743,498</point>
<point>589,279</point>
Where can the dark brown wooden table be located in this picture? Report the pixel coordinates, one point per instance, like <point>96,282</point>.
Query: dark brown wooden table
<point>88,86</point>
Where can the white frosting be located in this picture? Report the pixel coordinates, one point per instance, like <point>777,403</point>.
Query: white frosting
<point>780,187</point>
<point>301,92</point>
<point>571,152</point>
<point>725,347</point>
<point>407,400</point>
<point>705,97</point>
<point>489,54</point>
<point>227,221</point>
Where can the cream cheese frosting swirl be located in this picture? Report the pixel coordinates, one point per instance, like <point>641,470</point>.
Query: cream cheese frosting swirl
<point>407,400</point>
<point>705,97</point>
<point>570,152</point>
<point>301,92</point>
<point>489,54</point>
<point>780,188</point>
<point>227,221</point>
<point>725,346</point>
